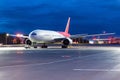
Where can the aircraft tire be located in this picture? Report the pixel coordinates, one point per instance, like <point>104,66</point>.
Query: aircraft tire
<point>64,46</point>
<point>35,46</point>
<point>44,46</point>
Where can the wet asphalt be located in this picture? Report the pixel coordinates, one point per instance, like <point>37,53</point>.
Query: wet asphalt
<point>93,63</point>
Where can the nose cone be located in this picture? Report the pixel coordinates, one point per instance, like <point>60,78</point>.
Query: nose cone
<point>33,36</point>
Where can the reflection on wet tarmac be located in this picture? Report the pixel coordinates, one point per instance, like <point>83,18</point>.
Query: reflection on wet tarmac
<point>60,64</point>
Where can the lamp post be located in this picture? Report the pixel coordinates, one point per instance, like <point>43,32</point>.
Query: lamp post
<point>6,37</point>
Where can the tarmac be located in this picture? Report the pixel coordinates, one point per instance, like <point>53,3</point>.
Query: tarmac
<point>81,63</point>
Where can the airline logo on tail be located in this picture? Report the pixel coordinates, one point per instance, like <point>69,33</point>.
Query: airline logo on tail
<point>67,26</point>
<point>66,32</point>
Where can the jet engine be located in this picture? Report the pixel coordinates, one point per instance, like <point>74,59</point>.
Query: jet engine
<point>28,42</point>
<point>66,42</point>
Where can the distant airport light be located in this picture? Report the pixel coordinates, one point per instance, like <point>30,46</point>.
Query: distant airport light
<point>7,34</point>
<point>104,32</point>
<point>19,35</point>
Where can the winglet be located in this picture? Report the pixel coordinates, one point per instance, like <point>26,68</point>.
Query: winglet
<point>67,26</point>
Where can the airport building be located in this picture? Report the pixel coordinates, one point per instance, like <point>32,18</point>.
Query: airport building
<point>6,39</point>
<point>115,40</point>
<point>80,40</point>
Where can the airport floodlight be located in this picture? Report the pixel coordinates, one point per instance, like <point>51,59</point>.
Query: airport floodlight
<point>7,34</point>
<point>19,35</point>
<point>6,37</point>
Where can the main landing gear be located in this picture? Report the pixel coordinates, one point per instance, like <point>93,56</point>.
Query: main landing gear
<point>44,46</point>
<point>64,46</point>
<point>35,45</point>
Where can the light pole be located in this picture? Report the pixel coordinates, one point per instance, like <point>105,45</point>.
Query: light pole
<point>6,37</point>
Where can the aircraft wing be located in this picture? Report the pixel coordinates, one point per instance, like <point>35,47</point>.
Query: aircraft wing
<point>19,35</point>
<point>78,35</point>
<point>99,34</point>
<point>101,39</point>
<point>86,35</point>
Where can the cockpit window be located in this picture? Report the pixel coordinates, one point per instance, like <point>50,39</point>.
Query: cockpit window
<point>33,33</point>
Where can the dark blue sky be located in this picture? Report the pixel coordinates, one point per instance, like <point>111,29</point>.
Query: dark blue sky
<point>87,16</point>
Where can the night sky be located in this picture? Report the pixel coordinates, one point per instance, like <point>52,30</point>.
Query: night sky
<point>87,16</point>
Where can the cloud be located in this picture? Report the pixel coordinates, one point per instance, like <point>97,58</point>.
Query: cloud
<point>22,16</point>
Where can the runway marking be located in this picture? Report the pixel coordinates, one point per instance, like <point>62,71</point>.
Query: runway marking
<point>99,70</point>
<point>52,62</point>
<point>55,48</point>
<point>40,64</point>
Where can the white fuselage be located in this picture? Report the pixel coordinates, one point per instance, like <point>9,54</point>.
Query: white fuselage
<point>41,36</point>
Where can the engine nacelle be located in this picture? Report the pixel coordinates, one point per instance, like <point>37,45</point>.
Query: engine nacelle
<point>28,42</point>
<point>67,41</point>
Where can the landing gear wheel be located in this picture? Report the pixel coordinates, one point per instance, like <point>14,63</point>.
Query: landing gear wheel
<point>44,46</point>
<point>35,46</point>
<point>27,46</point>
<point>64,46</point>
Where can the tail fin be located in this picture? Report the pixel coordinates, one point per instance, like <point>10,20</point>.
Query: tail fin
<point>67,26</point>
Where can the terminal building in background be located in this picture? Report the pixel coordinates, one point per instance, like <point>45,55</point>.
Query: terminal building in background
<point>6,40</point>
<point>112,40</point>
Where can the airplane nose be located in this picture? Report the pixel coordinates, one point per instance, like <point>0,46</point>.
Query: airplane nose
<point>33,34</point>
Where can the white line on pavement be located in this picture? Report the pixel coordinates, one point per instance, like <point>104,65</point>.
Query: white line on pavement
<point>100,70</point>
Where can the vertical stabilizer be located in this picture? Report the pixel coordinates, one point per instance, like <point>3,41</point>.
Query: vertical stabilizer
<point>67,26</point>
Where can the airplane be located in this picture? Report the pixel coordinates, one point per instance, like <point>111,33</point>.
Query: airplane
<point>49,36</point>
